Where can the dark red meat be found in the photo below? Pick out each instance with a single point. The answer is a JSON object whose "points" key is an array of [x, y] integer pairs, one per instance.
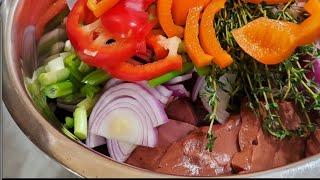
{"points": [[190, 157], [182, 110]]}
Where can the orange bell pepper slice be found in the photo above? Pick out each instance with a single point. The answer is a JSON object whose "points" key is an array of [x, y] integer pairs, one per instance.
{"points": [[99, 8], [208, 37], [192, 44], [268, 41], [53, 11], [180, 9], [267, 1], [309, 29], [165, 19], [153, 41]]}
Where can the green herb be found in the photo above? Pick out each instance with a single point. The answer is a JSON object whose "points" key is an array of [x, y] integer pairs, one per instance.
{"points": [[261, 83]]}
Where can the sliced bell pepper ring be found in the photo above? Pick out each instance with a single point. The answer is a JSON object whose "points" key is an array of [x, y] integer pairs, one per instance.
{"points": [[53, 11], [128, 17], [272, 49], [130, 72], [94, 44], [309, 29], [165, 19], [180, 9], [98, 8], [192, 44], [153, 41], [208, 37]]}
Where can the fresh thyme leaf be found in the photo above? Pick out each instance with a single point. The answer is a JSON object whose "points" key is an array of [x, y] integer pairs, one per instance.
{"points": [[260, 83], [210, 144]]}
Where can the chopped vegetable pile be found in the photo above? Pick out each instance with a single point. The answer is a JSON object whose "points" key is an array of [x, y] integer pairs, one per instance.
{"points": [[111, 70]]}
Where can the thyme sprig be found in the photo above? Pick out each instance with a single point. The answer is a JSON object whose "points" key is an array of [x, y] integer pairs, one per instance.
{"points": [[264, 86]]}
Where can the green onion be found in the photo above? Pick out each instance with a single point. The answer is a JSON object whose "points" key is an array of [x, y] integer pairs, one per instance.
{"points": [[49, 39], [65, 54], [55, 64], [88, 103], [59, 89], [56, 21], [80, 123], [167, 77], [68, 46], [52, 77], [89, 90], [96, 77], [69, 122], [72, 63], [48, 59], [84, 68], [71, 99], [203, 71]]}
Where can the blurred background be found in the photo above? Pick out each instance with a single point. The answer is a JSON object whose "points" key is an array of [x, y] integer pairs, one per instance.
{"points": [[21, 158]]}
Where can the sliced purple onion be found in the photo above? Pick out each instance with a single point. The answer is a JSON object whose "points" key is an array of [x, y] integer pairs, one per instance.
{"points": [[94, 140], [164, 91], [135, 124], [179, 90], [112, 82], [119, 151], [180, 79], [154, 92], [196, 88], [137, 101]]}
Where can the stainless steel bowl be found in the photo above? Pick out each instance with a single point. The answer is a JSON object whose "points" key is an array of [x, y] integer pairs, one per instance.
{"points": [[16, 16]]}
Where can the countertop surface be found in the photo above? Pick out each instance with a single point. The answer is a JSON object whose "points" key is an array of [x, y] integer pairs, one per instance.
{"points": [[22, 159]]}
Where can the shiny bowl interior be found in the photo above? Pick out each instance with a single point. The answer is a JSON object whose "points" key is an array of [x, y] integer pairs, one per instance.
{"points": [[46, 135]]}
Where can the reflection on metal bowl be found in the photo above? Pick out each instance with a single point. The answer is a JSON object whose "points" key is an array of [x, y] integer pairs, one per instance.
{"points": [[17, 15]]}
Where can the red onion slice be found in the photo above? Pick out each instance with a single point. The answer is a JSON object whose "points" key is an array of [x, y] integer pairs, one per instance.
{"points": [[112, 82], [119, 151], [196, 88], [140, 131], [164, 91], [179, 90], [154, 92], [180, 79], [94, 140], [152, 105]]}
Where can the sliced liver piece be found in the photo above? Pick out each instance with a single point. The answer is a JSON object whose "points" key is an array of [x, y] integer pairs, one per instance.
{"points": [[242, 161], [264, 152], [148, 158], [289, 115], [182, 110], [173, 131], [290, 150], [249, 127], [189, 156], [313, 144]]}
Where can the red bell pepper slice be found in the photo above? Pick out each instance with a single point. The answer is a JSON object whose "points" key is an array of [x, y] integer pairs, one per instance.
{"points": [[131, 72], [128, 17], [95, 44], [153, 42]]}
